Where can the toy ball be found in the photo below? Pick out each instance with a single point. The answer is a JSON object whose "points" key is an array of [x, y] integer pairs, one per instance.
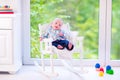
{"points": [[97, 65], [101, 69], [101, 74], [6, 6], [108, 67], [110, 72]]}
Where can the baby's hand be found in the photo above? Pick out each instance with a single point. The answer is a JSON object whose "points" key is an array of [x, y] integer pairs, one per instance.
{"points": [[61, 34], [41, 38]]}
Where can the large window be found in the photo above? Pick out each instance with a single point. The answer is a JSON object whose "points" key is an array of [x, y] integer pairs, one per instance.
{"points": [[83, 16], [91, 19]]}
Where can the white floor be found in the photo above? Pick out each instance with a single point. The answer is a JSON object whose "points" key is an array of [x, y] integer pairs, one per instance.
{"points": [[33, 73]]}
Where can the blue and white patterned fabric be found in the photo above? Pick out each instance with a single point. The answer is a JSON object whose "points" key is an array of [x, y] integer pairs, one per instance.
{"points": [[54, 34]]}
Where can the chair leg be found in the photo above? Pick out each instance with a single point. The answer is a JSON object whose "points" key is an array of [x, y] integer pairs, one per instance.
{"points": [[51, 63], [53, 73], [42, 62]]}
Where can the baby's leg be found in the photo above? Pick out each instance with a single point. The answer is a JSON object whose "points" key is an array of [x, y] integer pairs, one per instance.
{"points": [[57, 44], [67, 44], [70, 46]]}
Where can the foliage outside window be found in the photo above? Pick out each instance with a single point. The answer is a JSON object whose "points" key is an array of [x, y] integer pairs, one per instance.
{"points": [[81, 14], [115, 46]]}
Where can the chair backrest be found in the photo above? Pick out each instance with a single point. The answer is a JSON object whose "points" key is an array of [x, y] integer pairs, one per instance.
{"points": [[66, 28], [42, 28]]}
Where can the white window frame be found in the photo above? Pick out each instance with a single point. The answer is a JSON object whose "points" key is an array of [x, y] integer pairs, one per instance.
{"points": [[108, 36], [26, 36]]}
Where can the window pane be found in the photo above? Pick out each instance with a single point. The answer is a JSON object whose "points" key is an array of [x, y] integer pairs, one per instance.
{"points": [[81, 14], [115, 45]]}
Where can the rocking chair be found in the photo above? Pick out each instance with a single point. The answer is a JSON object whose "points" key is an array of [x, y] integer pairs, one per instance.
{"points": [[65, 55]]}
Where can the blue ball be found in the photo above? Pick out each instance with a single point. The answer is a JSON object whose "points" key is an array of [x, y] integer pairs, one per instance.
{"points": [[108, 67], [97, 65]]}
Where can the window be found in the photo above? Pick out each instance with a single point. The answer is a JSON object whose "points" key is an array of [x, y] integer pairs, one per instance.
{"points": [[83, 19], [112, 44], [87, 17], [115, 44]]}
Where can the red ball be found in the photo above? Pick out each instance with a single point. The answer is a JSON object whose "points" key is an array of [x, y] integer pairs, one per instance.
{"points": [[101, 69]]}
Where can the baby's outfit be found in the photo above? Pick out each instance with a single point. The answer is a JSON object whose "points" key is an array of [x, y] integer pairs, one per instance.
{"points": [[57, 39]]}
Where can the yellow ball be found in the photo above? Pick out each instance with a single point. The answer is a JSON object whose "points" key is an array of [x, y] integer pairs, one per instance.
{"points": [[101, 74]]}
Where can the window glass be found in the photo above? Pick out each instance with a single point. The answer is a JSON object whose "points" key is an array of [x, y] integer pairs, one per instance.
{"points": [[115, 42], [82, 15]]}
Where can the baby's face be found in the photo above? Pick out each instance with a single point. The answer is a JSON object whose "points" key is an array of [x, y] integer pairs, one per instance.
{"points": [[57, 24]]}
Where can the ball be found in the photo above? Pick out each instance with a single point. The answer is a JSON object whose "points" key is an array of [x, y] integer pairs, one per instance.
{"points": [[110, 72], [101, 74], [6, 6], [102, 70], [97, 65], [108, 67]]}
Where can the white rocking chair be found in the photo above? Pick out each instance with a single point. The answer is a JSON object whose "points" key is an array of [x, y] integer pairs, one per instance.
{"points": [[65, 55]]}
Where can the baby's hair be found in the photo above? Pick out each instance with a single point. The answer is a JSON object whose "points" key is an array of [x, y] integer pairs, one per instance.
{"points": [[55, 20], [58, 19]]}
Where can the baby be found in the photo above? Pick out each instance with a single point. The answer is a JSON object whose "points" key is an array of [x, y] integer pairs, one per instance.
{"points": [[59, 36]]}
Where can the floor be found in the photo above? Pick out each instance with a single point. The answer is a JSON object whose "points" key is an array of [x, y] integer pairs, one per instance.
{"points": [[34, 73]]}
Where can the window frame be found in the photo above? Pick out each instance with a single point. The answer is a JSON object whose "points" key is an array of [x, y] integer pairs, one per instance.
{"points": [[102, 42], [108, 35]]}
